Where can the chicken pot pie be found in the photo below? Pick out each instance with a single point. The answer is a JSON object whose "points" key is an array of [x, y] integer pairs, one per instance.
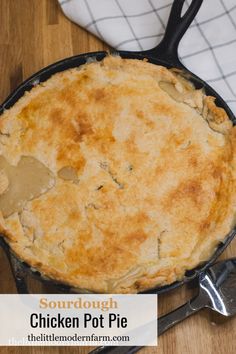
{"points": [[116, 177]]}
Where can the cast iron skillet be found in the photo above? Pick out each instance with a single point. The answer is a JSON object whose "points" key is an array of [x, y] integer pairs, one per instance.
{"points": [[166, 54]]}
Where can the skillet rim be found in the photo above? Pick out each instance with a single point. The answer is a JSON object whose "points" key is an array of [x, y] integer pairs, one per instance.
{"points": [[20, 268]]}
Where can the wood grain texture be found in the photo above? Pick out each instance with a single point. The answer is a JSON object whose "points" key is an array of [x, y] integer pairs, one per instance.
{"points": [[33, 34]]}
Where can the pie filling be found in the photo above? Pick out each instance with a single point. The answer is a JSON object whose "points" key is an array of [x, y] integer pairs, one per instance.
{"points": [[21, 183]]}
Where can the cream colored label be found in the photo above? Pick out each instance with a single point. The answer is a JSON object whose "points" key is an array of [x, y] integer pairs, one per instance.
{"points": [[79, 320]]}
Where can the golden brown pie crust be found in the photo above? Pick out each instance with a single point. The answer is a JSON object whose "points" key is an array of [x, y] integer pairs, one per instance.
{"points": [[144, 176]]}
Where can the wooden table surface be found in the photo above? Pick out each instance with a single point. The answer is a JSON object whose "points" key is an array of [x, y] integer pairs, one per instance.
{"points": [[33, 34]]}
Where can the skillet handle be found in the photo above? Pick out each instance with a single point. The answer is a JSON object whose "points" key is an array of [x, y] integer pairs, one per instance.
{"points": [[177, 25]]}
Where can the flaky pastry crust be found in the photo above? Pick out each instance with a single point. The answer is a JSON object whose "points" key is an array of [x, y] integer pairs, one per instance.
{"points": [[153, 165]]}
